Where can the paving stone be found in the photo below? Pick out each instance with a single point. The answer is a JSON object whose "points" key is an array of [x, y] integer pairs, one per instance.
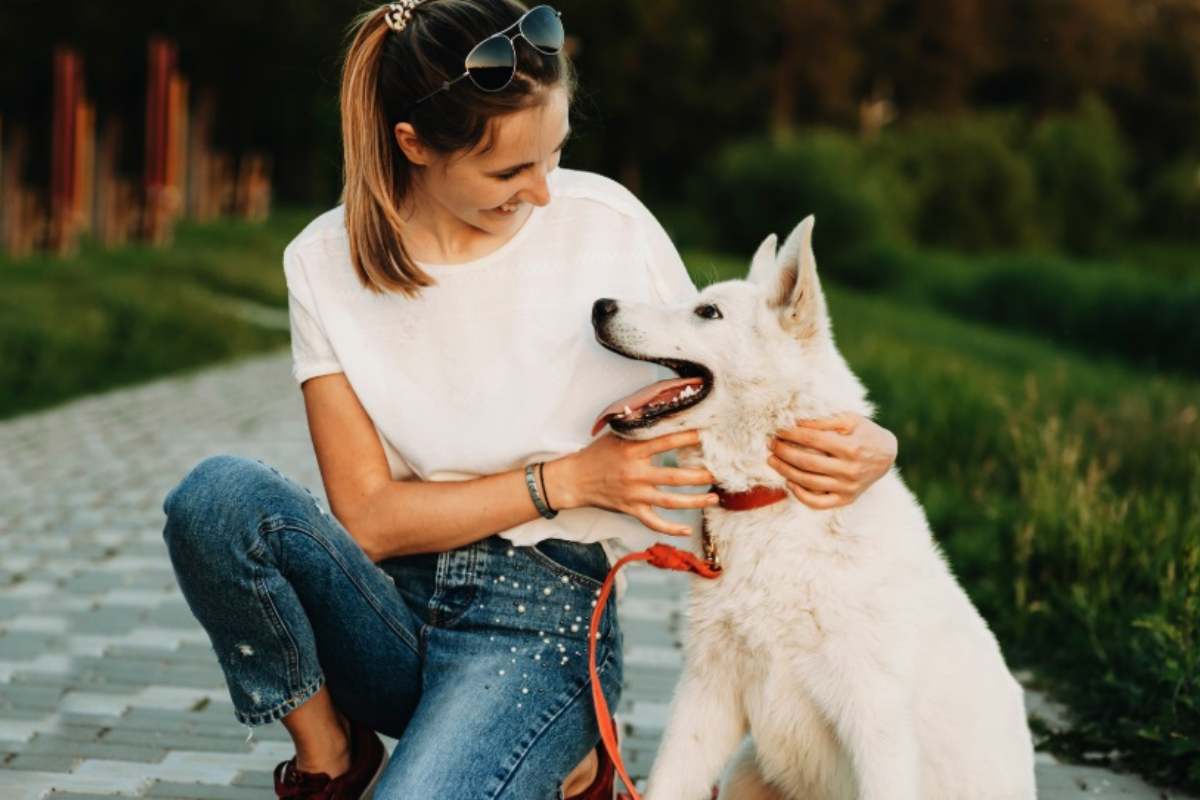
{"points": [[199, 791], [29, 697], [25, 644], [260, 779], [42, 762], [58, 745]]}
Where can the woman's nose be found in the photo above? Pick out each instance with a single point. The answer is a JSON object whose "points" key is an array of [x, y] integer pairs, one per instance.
{"points": [[537, 191]]}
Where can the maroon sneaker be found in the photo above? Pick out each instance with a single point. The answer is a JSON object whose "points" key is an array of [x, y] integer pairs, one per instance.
{"points": [[366, 764]]}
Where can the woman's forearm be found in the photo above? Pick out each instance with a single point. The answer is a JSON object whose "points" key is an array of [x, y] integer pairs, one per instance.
{"points": [[405, 517]]}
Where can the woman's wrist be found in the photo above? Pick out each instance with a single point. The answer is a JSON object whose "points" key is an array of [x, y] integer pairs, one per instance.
{"points": [[559, 476]]}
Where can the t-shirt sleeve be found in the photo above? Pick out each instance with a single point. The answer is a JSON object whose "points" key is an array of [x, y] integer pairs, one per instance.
{"points": [[312, 353], [668, 275]]}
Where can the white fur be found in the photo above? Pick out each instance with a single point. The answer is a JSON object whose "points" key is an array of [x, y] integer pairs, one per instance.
{"points": [[838, 640]]}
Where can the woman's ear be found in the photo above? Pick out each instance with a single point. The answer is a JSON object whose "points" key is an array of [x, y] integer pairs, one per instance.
{"points": [[411, 145]]}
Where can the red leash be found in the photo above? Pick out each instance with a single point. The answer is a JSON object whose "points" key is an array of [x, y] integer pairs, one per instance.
{"points": [[662, 556]]}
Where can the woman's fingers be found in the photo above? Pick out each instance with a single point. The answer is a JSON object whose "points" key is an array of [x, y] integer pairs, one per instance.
{"points": [[670, 441], [827, 441], [800, 458], [657, 523], [816, 500], [811, 480], [844, 422], [682, 500], [680, 476]]}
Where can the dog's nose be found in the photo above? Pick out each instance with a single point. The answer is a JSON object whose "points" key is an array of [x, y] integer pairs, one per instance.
{"points": [[602, 309]]}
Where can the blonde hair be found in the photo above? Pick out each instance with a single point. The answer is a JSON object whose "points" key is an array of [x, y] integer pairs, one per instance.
{"points": [[383, 74]]}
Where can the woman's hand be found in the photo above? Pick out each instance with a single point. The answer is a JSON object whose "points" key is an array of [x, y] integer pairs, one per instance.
{"points": [[617, 474], [829, 462]]}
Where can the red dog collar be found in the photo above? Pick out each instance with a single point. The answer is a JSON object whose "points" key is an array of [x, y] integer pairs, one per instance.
{"points": [[754, 497]]}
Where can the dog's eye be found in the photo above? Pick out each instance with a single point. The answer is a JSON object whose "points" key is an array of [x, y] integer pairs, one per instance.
{"points": [[708, 311]]}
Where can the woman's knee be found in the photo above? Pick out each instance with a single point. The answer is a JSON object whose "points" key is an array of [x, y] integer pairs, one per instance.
{"points": [[204, 505]]}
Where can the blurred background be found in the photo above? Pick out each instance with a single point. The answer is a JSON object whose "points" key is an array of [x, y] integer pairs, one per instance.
{"points": [[1007, 196]]}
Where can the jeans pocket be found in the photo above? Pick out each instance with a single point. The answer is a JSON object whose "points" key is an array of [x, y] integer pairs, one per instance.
{"points": [[586, 564]]}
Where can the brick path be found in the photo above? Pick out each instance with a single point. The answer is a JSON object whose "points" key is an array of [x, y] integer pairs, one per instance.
{"points": [[108, 685]]}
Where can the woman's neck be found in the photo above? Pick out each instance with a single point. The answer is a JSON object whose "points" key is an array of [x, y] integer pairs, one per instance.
{"points": [[434, 235]]}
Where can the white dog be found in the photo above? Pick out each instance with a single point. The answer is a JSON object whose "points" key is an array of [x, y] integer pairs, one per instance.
{"points": [[838, 640]]}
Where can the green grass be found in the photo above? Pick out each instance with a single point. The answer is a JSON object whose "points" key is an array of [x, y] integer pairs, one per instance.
{"points": [[108, 318], [1066, 492]]}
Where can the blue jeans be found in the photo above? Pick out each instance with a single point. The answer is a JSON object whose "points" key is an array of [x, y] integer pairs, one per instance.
{"points": [[474, 659]]}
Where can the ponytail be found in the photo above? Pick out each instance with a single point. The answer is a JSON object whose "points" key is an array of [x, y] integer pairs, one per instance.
{"points": [[376, 181]]}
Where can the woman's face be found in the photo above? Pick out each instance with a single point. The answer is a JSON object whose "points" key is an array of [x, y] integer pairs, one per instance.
{"points": [[489, 190]]}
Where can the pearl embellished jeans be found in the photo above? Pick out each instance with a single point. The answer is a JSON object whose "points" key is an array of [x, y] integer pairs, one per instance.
{"points": [[474, 659]]}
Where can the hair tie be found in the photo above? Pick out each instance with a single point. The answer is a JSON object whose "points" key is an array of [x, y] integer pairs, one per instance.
{"points": [[398, 14]]}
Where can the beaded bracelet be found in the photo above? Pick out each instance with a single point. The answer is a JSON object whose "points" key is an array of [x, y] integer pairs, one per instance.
{"points": [[538, 502]]}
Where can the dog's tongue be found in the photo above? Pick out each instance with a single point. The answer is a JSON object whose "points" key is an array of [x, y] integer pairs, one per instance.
{"points": [[662, 391]]}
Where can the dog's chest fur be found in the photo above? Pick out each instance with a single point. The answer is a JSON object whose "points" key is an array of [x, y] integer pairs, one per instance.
{"points": [[791, 576]]}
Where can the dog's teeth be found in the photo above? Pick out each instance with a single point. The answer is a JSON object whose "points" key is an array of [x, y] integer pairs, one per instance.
{"points": [[628, 411]]}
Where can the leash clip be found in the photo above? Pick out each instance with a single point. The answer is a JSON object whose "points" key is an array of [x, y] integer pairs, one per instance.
{"points": [[711, 556]]}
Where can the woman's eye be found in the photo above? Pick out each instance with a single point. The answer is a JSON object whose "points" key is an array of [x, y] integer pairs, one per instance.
{"points": [[508, 176], [708, 311]]}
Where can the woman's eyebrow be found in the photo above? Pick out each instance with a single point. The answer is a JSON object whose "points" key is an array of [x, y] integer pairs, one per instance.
{"points": [[517, 167]]}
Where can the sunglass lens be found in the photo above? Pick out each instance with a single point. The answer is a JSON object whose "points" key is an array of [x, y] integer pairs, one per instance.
{"points": [[543, 29], [492, 63]]}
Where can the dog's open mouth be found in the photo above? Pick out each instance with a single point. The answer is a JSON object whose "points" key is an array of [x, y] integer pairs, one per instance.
{"points": [[651, 403]]}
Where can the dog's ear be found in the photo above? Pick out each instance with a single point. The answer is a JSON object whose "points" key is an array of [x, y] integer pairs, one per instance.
{"points": [[797, 294], [763, 265]]}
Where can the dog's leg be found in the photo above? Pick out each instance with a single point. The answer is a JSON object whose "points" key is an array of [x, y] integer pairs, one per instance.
{"points": [[872, 715], [705, 726]]}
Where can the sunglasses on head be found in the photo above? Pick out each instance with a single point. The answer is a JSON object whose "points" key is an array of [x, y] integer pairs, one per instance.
{"points": [[492, 63]]}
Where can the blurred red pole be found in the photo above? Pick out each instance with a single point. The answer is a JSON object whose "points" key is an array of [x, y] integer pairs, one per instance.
{"points": [[162, 60], [63, 147]]}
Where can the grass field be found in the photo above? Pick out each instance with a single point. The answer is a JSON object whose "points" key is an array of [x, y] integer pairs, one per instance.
{"points": [[1064, 487], [112, 317]]}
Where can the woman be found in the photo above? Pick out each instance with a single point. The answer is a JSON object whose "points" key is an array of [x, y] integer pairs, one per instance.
{"points": [[441, 339]]}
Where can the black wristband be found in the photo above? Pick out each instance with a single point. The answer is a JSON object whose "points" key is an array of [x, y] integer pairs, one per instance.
{"points": [[542, 479]]}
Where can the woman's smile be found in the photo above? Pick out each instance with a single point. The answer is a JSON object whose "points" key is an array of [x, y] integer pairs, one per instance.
{"points": [[505, 210]]}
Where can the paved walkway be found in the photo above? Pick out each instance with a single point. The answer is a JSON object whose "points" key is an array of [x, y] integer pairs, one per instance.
{"points": [[108, 686]]}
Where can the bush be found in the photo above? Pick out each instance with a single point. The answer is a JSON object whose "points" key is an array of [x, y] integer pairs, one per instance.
{"points": [[872, 266], [1081, 164], [1172, 207], [757, 187], [1142, 318], [971, 187]]}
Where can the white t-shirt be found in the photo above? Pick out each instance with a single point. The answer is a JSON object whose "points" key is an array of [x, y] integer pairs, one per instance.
{"points": [[497, 365]]}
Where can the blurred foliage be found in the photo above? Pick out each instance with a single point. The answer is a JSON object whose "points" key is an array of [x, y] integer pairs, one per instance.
{"points": [[971, 186], [666, 84], [1107, 310], [974, 182], [1082, 166], [1172, 207], [756, 187]]}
